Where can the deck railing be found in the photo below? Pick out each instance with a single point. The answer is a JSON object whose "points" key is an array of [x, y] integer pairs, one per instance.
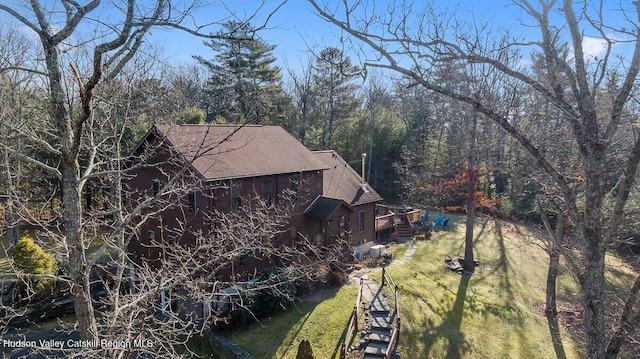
{"points": [[413, 216], [384, 221], [395, 336], [353, 322]]}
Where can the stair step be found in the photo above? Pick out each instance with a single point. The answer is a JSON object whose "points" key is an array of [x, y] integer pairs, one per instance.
{"points": [[380, 337], [380, 310], [379, 305], [375, 349], [381, 322]]}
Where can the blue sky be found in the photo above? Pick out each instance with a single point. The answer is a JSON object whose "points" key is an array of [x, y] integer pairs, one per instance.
{"points": [[294, 28]]}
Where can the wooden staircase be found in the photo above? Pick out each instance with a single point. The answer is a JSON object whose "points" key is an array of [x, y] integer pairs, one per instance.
{"points": [[384, 322], [381, 327], [382, 332], [403, 230], [403, 222]]}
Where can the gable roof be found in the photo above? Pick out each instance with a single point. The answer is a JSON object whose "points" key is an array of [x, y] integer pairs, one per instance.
{"points": [[341, 181], [223, 152], [323, 207]]}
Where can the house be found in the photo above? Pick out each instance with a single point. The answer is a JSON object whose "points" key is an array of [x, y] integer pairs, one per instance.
{"points": [[347, 206], [195, 171]]}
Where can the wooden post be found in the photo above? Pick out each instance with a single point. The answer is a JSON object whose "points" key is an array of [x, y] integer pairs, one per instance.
{"points": [[355, 316], [382, 277]]}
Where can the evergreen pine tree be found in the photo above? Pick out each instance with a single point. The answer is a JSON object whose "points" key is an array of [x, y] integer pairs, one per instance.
{"points": [[245, 85]]}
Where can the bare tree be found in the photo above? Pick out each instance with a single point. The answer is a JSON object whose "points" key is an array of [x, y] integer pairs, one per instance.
{"points": [[595, 96], [82, 144], [301, 91], [16, 50]]}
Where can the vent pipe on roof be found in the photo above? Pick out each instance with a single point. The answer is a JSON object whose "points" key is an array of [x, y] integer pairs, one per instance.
{"points": [[364, 157], [364, 182]]}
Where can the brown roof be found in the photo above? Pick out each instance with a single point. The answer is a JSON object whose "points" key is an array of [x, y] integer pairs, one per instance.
{"points": [[231, 151], [341, 181], [323, 207]]}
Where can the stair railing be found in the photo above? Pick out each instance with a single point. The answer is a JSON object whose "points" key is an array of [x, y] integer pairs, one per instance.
{"points": [[353, 322], [395, 337]]}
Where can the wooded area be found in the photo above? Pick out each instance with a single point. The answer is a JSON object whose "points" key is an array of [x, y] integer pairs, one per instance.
{"points": [[451, 115]]}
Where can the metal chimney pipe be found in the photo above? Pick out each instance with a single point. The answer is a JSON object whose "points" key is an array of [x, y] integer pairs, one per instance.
{"points": [[364, 157]]}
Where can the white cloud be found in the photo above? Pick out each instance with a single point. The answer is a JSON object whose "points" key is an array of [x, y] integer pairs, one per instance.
{"points": [[593, 47]]}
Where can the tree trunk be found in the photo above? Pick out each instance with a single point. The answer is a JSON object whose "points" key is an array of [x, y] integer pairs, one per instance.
{"points": [[79, 273], [468, 264], [593, 295], [594, 256], [551, 309], [552, 274]]}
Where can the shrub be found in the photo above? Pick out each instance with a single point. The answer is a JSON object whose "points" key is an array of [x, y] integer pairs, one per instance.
{"points": [[277, 292], [30, 258]]}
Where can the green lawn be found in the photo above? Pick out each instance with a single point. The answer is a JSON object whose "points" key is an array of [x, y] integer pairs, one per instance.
{"points": [[322, 323], [496, 313], [493, 314]]}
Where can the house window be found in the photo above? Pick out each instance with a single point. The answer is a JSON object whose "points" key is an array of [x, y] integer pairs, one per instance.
{"points": [[191, 196], [165, 303], [236, 199], [318, 231], [294, 187], [151, 241], [156, 187], [343, 224], [130, 272], [266, 192], [151, 236], [361, 221]]}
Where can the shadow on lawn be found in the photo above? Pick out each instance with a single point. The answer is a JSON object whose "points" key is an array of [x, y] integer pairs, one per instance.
{"points": [[475, 303], [289, 346], [450, 327], [454, 319], [299, 316]]}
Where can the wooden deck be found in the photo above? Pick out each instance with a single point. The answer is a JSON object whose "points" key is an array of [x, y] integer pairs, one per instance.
{"points": [[384, 221]]}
